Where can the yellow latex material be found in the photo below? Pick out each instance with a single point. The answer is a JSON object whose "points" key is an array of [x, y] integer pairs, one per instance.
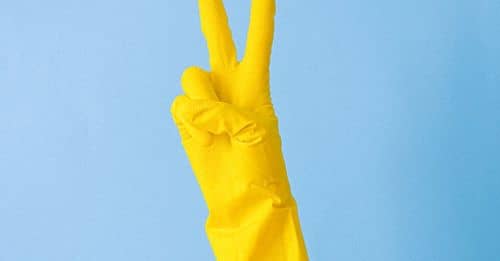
{"points": [[230, 133]]}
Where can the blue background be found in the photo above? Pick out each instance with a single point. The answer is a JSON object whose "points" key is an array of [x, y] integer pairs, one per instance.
{"points": [[389, 110]]}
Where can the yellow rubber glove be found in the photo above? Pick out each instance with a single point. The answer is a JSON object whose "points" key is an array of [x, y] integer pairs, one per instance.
{"points": [[230, 133]]}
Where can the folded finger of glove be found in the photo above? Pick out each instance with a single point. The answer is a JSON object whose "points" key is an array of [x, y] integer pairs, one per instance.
{"points": [[216, 118]]}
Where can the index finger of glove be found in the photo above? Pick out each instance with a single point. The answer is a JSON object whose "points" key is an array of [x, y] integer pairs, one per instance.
{"points": [[215, 27]]}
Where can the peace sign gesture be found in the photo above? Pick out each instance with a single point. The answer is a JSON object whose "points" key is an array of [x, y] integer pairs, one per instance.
{"points": [[230, 133], [244, 83], [232, 85]]}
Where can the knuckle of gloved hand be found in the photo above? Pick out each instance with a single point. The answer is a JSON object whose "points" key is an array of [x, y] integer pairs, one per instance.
{"points": [[178, 107], [174, 106], [191, 72]]}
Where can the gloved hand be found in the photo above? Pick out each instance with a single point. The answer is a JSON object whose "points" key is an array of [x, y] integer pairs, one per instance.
{"points": [[230, 133]]}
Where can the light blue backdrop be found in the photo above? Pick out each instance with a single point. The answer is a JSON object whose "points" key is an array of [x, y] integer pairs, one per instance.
{"points": [[390, 116]]}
